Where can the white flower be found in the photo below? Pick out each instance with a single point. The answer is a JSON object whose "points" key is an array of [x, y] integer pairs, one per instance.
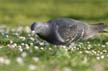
{"points": [[63, 47], [67, 69], [19, 60], [93, 51], [27, 29], [80, 52], [11, 41], [102, 56], [42, 48], [17, 34], [11, 46], [2, 60], [22, 44], [88, 42], [98, 44], [104, 50], [1, 47], [14, 44], [50, 48], [31, 44], [35, 59], [88, 52], [98, 58], [23, 54], [36, 47], [20, 48], [27, 46], [7, 61], [7, 36], [31, 38], [41, 43], [101, 53], [106, 43], [80, 43], [77, 48], [22, 38], [89, 45], [32, 67], [103, 46]]}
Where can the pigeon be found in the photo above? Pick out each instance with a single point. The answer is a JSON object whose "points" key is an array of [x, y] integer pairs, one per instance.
{"points": [[64, 31]]}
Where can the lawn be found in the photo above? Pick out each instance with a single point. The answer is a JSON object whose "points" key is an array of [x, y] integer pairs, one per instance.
{"points": [[22, 51]]}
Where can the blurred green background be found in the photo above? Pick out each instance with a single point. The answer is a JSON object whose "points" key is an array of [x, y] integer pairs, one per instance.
{"points": [[16, 47], [24, 12]]}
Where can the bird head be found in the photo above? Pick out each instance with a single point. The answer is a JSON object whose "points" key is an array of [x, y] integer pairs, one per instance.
{"points": [[39, 28]]}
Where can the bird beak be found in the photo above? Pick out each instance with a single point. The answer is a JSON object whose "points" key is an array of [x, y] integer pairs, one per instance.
{"points": [[33, 32]]}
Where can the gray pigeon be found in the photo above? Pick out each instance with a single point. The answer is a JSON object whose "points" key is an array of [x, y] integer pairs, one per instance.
{"points": [[64, 31]]}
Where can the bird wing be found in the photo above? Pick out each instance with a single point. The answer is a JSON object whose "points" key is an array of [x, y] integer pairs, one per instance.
{"points": [[69, 30]]}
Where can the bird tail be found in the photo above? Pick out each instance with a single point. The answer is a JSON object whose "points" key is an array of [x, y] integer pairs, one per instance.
{"points": [[100, 27]]}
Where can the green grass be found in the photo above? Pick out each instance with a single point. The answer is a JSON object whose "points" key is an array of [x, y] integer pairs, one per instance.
{"points": [[24, 12], [85, 56], [90, 55]]}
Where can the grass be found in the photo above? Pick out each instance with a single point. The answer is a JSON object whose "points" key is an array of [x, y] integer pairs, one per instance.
{"points": [[20, 51], [24, 12]]}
